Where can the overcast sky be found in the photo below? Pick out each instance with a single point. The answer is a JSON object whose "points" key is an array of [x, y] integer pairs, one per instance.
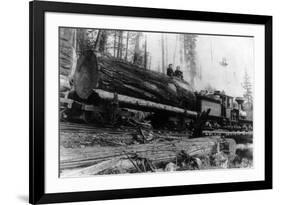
{"points": [[239, 55], [210, 50]]}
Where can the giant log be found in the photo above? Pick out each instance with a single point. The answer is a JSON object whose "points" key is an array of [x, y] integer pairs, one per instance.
{"points": [[94, 71]]}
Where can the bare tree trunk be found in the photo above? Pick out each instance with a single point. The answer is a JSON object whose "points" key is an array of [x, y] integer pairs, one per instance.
{"points": [[181, 48], [137, 49], [127, 43], [97, 42], [166, 51], [114, 47], [102, 42], [163, 53], [121, 45], [174, 57], [145, 53], [118, 45], [149, 60], [189, 53]]}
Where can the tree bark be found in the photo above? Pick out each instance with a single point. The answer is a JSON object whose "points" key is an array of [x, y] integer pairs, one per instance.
{"points": [[127, 79]]}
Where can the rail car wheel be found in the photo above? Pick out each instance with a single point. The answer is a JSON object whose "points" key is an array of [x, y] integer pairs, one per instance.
{"points": [[62, 114]]}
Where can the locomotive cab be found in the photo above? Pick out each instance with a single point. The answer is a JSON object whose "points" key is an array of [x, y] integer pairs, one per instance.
{"points": [[226, 105]]}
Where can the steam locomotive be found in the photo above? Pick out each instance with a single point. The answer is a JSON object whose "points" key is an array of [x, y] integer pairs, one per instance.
{"points": [[226, 112]]}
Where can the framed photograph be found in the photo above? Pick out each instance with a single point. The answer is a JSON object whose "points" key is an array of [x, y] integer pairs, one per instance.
{"points": [[130, 102]]}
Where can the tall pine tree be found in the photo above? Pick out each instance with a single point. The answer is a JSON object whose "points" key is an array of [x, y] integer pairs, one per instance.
{"points": [[247, 85]]}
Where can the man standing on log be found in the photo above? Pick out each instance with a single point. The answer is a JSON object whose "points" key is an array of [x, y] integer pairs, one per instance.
{"points": [[170, 71], [178, 73]]}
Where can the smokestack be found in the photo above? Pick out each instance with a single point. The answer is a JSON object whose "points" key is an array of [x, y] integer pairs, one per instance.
{"points": [[240, 102]]}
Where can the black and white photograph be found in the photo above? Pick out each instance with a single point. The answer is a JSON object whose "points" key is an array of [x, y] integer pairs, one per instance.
{"points": [[133, 101], [110, 102]]}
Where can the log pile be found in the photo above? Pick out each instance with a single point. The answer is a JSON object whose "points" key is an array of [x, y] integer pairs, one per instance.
{"points": [[155, 152], [88, 150]]}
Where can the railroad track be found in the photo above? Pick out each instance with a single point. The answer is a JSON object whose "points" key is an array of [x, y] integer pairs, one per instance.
{"points": [[241, 137], [226, 133], [77, 127]]}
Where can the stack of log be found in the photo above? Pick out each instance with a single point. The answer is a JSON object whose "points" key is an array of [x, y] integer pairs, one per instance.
{"points": [[155, 152]]}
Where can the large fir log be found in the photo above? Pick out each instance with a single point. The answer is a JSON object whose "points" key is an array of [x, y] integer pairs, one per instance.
{"points": [[117, 76]]}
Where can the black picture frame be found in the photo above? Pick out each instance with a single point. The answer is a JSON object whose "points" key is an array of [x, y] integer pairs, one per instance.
{"points": [[37, 10]]}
